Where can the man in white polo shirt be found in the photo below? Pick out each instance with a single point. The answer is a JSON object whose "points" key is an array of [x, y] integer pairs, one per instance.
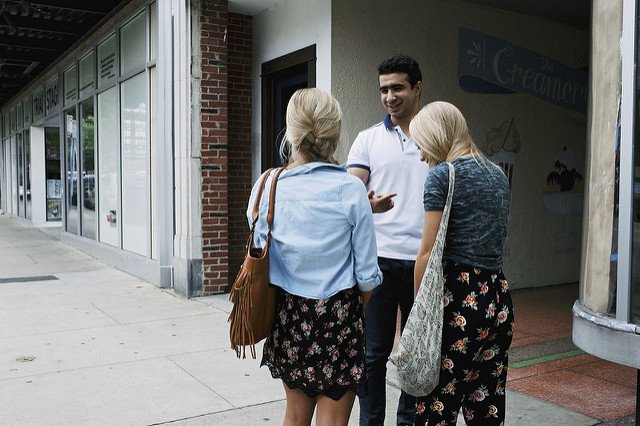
{"points": [[388, 162]]}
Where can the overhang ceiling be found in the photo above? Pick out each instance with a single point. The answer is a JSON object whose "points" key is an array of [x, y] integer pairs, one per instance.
{"points": [[575, 13], [34, 33]]}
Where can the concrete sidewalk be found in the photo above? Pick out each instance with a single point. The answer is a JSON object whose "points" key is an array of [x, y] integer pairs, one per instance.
{"points": [[84, 343]]}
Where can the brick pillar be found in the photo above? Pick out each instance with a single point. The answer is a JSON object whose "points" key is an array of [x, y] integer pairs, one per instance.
{"points": [[214, 146], [239, 50]]}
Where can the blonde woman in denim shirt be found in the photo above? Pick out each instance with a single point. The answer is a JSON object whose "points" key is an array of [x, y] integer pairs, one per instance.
{"points": [[323, 259]]}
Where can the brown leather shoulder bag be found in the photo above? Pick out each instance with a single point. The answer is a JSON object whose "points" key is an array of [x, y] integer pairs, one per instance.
{"points": [[254, 300]]}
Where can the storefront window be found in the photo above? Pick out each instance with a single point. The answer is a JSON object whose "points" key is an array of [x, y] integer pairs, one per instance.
{"points": [[20, 177], [135, 187], [87, 73], [12, 117], [14, 175], [107, 61], [153, 28], [108, 153], [88, 171], [27, 112], [19, 117], [154, 168], [133, 45], [70, 85], [52, 173], [5, 125], [27, 172], [72, 169]]}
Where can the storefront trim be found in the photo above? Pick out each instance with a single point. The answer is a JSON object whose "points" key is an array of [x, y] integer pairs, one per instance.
{"points": [[606, 337], [627, 113]]}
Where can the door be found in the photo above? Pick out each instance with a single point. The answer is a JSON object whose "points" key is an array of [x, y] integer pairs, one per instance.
{"points": [[281, 77]]}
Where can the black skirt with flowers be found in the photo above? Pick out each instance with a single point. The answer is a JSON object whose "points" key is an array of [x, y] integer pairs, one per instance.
{"points": [[317, 345]]}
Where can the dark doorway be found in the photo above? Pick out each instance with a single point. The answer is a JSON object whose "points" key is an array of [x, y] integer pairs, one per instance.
{"points": [[281, 77]]}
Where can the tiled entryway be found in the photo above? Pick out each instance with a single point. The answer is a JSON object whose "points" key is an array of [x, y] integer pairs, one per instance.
{"points": [[545, 364]]}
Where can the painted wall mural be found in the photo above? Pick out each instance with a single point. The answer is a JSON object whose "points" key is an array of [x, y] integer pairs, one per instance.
{"points": [[502, 143], [563, 192]]}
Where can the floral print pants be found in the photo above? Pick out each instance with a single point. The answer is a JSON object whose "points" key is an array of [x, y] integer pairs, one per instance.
{"points": [[477, 333]]}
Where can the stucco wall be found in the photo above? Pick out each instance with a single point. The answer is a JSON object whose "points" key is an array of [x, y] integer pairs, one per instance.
{"points": [[542, 249], [289, 26]]}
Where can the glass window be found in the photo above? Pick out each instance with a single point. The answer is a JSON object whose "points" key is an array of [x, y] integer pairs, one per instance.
{"points": [[70, 85], [20, 177], [27, 112], [27, 172], [153, 154], [12, 117], [19, 117], [7, 174], [14, 175], [6, 126], [108, 165], [133, 44], [135, 187], [72, 170], [87, 73], [88, 171], [153, 27], [107, 60], [52, 173]]}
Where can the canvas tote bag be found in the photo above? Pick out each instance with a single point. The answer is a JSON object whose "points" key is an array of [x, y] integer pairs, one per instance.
{"points": [[417, 356]]}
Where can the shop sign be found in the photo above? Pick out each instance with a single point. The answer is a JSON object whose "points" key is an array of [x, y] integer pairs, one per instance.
{"points": [[488, 64], [52, 96], [38, 105]]}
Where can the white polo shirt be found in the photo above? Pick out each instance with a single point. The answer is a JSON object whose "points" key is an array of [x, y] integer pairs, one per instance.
{"points": [[393, 162]]}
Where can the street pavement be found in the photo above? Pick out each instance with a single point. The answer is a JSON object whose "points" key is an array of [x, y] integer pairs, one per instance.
{"points": [[82, 343]]}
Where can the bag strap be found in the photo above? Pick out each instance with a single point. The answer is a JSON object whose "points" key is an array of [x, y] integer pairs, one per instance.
{"points": [[256, 204], [444, 222], [272, 198]]}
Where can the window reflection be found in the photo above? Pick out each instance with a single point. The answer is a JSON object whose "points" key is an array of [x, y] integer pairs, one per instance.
{"points": [[72, 166], [88, 171]]}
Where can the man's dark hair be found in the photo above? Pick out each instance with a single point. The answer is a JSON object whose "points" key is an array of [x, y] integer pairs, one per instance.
{"points": [[401, 64]]}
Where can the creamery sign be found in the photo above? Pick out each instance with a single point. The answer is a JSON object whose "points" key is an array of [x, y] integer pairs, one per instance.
{"points": [[487, 64]]}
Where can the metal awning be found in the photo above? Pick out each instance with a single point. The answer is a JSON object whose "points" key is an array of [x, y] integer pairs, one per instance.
{"points": [[34, 33]]}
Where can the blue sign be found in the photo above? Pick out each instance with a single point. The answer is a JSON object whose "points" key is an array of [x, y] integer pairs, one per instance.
{"points": [[488, 64]]}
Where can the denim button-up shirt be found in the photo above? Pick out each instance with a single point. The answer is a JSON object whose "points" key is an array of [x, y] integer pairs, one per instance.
{"points": [[322, 238]]}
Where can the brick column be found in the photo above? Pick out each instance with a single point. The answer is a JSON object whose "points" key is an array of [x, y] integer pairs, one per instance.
{"points": [[239, 49], [214, 146]]}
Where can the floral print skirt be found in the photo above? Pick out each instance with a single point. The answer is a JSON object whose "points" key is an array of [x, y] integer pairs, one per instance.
{"points": [[317, 345]]}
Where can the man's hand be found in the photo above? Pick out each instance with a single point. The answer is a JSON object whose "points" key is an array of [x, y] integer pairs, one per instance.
{"points": [[380, 203]]}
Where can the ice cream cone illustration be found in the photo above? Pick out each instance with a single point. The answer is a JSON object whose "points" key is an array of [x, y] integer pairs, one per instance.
{"points": [[501, 145], [563, 193]]}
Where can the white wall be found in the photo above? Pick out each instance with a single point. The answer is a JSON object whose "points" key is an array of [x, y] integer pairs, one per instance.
{"points": [[364, 33], [288, 26]]}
